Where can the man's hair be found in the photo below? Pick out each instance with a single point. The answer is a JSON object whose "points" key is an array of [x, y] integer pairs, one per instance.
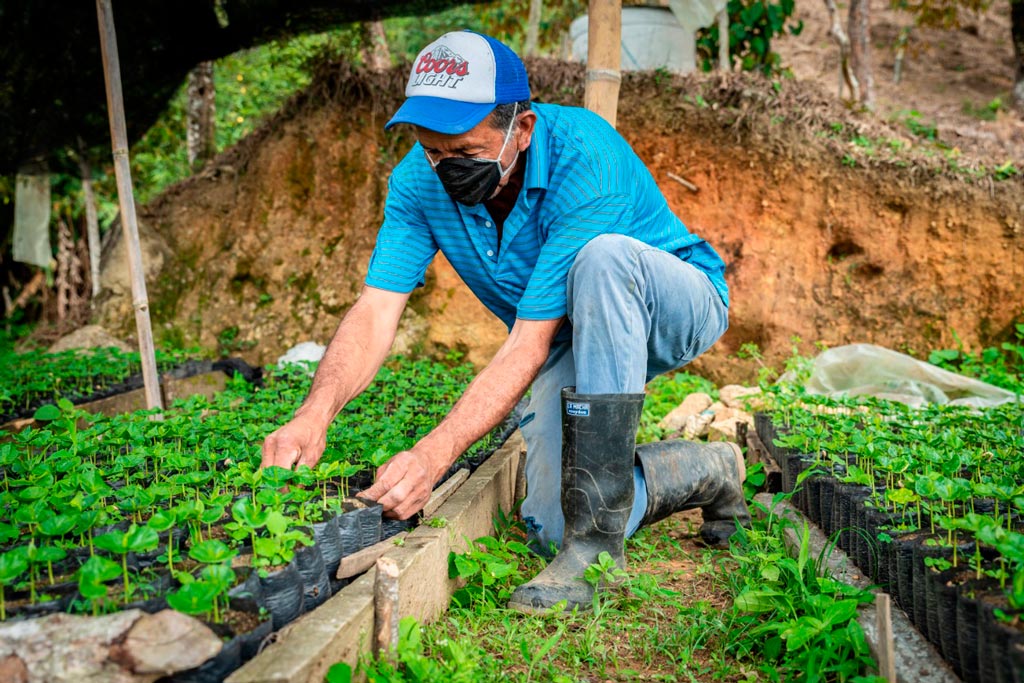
{"points": [[501, 117]]}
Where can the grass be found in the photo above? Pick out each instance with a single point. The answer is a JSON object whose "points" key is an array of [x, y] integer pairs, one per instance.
{"points": [[683, 612]]}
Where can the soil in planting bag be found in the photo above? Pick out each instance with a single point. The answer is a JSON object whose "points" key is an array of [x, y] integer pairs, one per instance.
{"points": [[248, 586], [316, 587], [967, 625], [281, 590], [869, 370], [360, 525], [39, 609], [155, 598], [328, 540], [813, 485], [251, 627]]}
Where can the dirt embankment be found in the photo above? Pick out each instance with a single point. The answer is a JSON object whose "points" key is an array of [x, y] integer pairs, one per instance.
{"points": [[824, 238]]}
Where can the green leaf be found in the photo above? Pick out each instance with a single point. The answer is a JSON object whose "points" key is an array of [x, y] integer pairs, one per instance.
{"points": [[211, 551], [339, 673], [98, 569], [162, 521], [140, 539], [277, 523], [12, 564], [193, 598], [466, 567], [46, 413], [58, 525]]}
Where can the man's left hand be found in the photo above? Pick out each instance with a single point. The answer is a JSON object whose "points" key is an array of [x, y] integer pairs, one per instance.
{"points": [[403, 485]]}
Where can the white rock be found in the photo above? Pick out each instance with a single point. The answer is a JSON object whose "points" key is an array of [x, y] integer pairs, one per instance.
{"points": [[88, 337], [723, 430], [698, 425], [735, 395], [691, 405], [734, 413]]}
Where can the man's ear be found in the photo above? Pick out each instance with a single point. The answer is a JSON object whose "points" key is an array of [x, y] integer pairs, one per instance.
{"points": [[527, 121]]}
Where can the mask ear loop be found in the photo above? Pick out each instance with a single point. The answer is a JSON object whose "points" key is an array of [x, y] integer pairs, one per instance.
{"points": [[504, 144]]}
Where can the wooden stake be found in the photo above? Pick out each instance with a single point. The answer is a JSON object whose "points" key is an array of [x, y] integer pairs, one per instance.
{"points": [[385, 608], [126, 198], [886, 643], [724, 62], [357, 563], [684, 182], [604, 58]]}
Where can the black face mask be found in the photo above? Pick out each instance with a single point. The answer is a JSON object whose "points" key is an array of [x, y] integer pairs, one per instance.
{"points": [[470, 181]]}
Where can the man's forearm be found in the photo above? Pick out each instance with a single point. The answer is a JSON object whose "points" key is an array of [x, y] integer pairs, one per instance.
{"points": [[485, 403], [350, 363]]}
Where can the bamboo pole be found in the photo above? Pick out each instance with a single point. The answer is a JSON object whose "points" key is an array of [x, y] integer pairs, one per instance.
{"points": [[126, 198], [604, 58]]}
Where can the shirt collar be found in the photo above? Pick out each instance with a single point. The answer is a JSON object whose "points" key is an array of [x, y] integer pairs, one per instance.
{"points": [[537, 156]]}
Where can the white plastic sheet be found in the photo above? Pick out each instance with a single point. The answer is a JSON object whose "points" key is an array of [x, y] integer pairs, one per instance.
{"points": [[304, 352], [32, 220], [694, 15], [869, 370]]}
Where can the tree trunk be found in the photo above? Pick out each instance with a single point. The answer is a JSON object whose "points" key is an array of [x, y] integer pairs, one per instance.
{"points": [[845, 71], [533, 28], [859, 27], [201, 108], [92, 224], [378, 56], [1017, 31]]}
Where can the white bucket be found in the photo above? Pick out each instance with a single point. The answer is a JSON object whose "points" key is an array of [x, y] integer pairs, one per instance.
{"points": [[652, 38]]}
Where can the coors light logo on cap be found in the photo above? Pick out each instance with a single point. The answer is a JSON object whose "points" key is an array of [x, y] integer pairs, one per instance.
{"points": [[457, 66]]}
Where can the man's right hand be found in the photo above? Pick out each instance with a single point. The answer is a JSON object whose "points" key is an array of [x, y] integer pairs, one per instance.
{"points": [[299, 442]]}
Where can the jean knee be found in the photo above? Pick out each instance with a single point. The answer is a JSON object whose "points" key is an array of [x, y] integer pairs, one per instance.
{"points": [[603, 253]]}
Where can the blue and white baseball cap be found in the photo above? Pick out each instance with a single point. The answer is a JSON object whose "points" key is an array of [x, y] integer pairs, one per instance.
{"points": [[458, 80]]}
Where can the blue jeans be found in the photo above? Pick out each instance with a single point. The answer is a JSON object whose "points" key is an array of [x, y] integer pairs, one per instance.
{"points": [[636, 312]]}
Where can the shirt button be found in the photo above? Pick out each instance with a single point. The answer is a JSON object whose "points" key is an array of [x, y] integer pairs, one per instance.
{"points": [[490, 253], [488, 224]]}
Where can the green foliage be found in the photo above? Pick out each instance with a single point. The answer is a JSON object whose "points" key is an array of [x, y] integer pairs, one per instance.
{"points": [[1002, 366], [805, 621], [986, 112], [121, 487], [944, 14], [753, 24]]}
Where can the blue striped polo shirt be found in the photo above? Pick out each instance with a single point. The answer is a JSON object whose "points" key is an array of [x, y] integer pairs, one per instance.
{"points": [[582, 180]]}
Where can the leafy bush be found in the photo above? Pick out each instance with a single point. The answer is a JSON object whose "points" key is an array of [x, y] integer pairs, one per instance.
{"points": [[753, 24]]}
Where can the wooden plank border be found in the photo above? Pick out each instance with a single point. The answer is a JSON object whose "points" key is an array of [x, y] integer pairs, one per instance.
{"points": [[341, 629]]}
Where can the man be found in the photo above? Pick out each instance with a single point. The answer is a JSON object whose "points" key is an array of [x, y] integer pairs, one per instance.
{"points": [[557, 226]]}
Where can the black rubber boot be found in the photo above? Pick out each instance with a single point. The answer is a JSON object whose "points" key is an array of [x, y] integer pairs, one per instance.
{"points": [[683, 475], [598, 443]]}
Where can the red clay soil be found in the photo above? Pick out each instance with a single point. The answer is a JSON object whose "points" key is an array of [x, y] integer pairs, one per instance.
{"points": [[825, 238]]}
